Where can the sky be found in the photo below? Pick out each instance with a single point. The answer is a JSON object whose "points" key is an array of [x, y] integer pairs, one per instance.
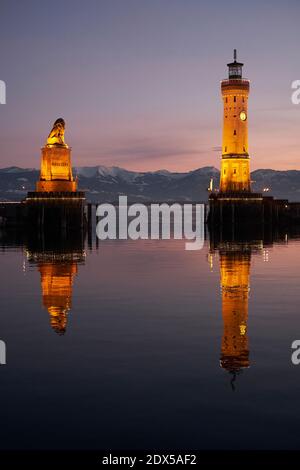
{"points": [[138, 81]]}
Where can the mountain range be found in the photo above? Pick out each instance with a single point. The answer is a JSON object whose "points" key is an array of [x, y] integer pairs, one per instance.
{"points": [[107, 183]]}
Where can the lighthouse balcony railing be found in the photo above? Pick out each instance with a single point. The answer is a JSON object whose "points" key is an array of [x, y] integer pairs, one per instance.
{"points": [[235, 81]]}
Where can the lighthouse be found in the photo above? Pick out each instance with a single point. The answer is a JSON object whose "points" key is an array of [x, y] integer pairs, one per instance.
{"points": [[235, 205], [235, 164]]}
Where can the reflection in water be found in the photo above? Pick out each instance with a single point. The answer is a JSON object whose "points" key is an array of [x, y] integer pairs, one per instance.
{"points": [[235, 262], [58, 265], [156, 351], [235, 284]]}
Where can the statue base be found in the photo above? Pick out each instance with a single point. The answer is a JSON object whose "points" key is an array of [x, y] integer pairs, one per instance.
{"points": [[56, 170], [56, 186], [55, 211]]}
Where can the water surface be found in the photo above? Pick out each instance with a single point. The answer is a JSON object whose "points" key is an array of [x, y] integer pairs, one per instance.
{"points": [[142, 344]]}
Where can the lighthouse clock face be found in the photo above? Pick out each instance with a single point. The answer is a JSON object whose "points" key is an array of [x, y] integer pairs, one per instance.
{"points": [[243, 116]]}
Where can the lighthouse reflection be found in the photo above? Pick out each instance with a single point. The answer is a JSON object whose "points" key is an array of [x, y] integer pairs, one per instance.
{"points": [[58, 266], [235, 284], [235, 263]]}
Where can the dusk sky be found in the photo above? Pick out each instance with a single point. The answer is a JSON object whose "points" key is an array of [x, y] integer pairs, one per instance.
{"points": [[138, 81]]}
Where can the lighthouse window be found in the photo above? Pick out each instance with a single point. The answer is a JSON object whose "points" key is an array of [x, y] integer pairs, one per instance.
{"points": [[224, 172], [226, 100], [234, 132], [234, 171], [234, 99], [225, 149]]}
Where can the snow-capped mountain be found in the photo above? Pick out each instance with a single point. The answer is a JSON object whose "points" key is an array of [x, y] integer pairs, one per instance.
{"points": [[103, 183], [107, 183]]}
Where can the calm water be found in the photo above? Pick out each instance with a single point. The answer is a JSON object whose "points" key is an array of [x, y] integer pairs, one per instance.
{"points": [[145, 345]]}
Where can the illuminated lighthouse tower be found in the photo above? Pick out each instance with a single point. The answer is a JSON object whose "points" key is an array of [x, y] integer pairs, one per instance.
{"points": [[235, 168]]}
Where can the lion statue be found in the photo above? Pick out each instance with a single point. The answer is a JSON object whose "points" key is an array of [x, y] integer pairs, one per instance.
{"points": [[57, 134]]}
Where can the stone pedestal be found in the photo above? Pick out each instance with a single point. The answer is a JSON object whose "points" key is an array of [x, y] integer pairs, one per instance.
{"points": [[234, 209], [56, 170], [55, 211], [56, 186]]}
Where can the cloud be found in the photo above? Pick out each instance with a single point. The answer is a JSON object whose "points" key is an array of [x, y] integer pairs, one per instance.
{"points": [[149, 148]]}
